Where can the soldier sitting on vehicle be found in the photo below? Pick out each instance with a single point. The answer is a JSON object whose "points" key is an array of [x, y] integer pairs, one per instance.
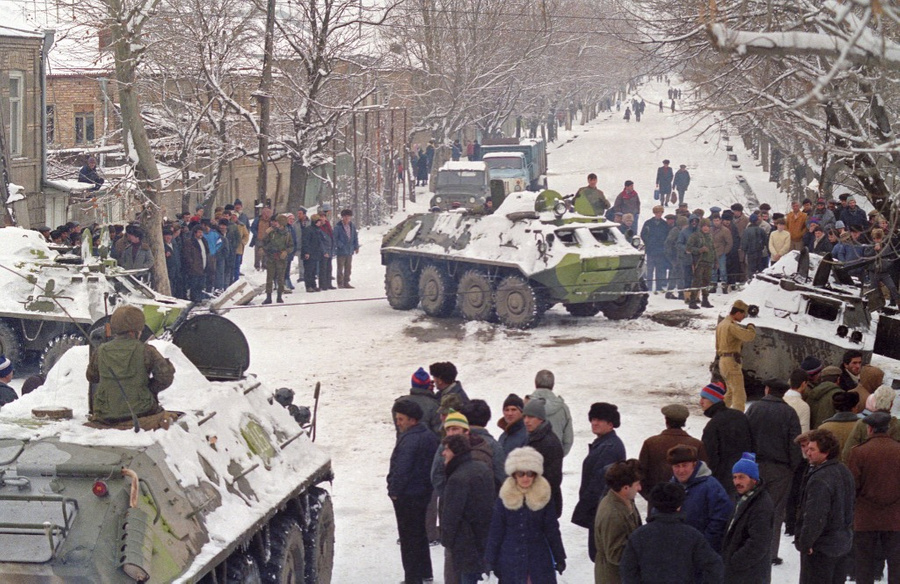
{"points": [[129, 375]]}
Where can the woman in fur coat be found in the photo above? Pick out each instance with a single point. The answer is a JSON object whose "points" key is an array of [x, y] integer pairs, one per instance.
{"points": [[524, 544]]}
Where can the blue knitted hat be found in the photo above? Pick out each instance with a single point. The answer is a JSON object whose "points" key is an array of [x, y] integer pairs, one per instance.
{"points": [[747, 465]]}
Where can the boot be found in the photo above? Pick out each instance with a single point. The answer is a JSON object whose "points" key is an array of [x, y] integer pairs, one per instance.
{"points": [[268, 299], [279, 300], [693, 305], [725, 289], [705, 303], [681, 295]]}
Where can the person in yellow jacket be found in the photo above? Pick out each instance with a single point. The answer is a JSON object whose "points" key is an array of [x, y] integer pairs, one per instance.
{"points": [[730, 338]]}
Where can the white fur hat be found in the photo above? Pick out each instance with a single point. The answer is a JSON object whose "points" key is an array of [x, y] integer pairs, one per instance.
{"points": [[524, 459], [884, 398]]}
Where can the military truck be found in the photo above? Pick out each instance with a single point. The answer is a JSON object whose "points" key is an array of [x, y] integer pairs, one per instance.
{"points": [[515, 264], [461, 184], [531, 170], [51, 300], [231, 492]]}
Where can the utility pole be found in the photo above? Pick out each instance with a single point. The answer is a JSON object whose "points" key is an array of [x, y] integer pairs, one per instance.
{"points": [[263, 96]]}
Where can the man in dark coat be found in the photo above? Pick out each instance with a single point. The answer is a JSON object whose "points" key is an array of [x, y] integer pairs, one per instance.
{"points": [[173, 262], [654, 234], [478, 412], [409, 487], [444, 374], [747, 545], [195, 259], [421, 393], [311, 244], [466, 507], [606, 449], [664, 177], [726, 436], [682, 179], [876, 520], [851, 364], [346, 244], [655, 468], [514, 434], [542, 439], [825, 523], [774, 425], [88, 174], [667, 550]]}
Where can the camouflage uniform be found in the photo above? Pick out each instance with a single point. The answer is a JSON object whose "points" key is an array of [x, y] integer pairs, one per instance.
{"points": [[595, 199], [277, 245], [703, 253]]}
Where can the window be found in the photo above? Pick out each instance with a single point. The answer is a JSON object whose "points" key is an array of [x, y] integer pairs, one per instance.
{"points": [[16, 111], [84, 124], [51, 123]]}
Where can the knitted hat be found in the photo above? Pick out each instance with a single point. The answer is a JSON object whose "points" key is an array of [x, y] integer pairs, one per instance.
{"points": [[884, 398], [238, 202], [681, 453], [421, 379], [754, 218], [844, 401], [838, 224], [535, 408], [6, 366], [811, 365], [667, 497], [747, 465], [879, 421], [676, 412], [408, 408], [713, 392], [606, 412], [513, 400], [454, 418], [524, 459]]}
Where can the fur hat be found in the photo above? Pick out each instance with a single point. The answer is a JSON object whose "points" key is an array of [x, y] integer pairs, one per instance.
{"points": [[667, 497], [408, 408], [747, 465], [6, 366], [844, 401], [524, 459], [681, 453], [126, 319], [727, 215], [737, 207], [513, 400], [454, 418], [606, 412], [421, 379], [884, 398], [704, 223], [535, 408], [740, 305]]}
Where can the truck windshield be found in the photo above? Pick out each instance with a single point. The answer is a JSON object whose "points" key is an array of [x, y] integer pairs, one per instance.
{"points": [[461, 178], [511, 163]]}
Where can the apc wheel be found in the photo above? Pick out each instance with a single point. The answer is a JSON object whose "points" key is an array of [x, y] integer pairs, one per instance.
{"points": [[286, 566], [319, 538], [10, 343], [629, 306], [476, 296], [57, 348], [517, 303], [401, 286], [243, 569], [584, 309], [437, 291]]}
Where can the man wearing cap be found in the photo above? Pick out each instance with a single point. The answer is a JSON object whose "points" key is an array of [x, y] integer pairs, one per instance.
{"points": [[258, 230], [606, 449], [746, 548], [774, 425], [325, 266], [277, 244], [542, 439], [723, 242], [409, 487], [478, 412], [725, 436], [730, 339], [681, 182], [702, 250], [823, 214], [664, 178], [707, 506], [129, 375], [880, 401], [876, 516], [853, 216], [666, 549], [422, 394], [825, 521], [514, 433], [346, 243], [136, 255], [655, 469], [654, 234], [7, 393], [617, 517], [687, 263]]}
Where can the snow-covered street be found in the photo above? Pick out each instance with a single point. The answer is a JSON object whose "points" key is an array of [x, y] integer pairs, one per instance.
{"points": [[364, 352]]}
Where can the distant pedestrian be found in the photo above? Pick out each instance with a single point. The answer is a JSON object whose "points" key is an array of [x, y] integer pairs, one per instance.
{"points": [[664, 178], [660, 106], [524, 544], [627, 114], [346, 245], [682, 179]]}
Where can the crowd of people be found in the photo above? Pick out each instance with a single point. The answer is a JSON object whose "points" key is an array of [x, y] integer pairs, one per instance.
{"points": [[204, 255], [817, 455]]}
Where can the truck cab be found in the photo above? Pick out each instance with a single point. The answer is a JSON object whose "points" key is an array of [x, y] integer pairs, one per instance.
{"points": [[461, 184], [511, 168]]}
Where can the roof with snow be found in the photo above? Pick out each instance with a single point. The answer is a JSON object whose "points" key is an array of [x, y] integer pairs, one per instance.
{"points": [[464, 165]]}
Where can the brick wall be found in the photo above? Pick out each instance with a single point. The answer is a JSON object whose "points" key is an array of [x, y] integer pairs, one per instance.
{"points": [[71, 95]]}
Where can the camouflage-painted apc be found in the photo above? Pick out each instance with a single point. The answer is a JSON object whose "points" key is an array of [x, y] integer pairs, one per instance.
{"points": [[515, 264], [50, 301], [231, 492]]}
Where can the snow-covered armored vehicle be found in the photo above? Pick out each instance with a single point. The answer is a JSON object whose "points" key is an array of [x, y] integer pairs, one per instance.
{"points": [[51, 300], [231, 492], [514, 264], [808, 305]]}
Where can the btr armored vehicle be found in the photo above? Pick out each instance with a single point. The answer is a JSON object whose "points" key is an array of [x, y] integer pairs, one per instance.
{"points": [[513, 265]]}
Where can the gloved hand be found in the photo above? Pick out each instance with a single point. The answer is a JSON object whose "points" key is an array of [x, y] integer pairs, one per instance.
{"points": [[560, 567]]}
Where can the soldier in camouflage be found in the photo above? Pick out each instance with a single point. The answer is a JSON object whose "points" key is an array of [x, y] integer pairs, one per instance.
{"points": [[703, 255], [277, 244]]}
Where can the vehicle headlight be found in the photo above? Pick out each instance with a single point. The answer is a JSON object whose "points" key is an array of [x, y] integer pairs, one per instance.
{"points": [[472, 200], [438, 200], [560, 208]]}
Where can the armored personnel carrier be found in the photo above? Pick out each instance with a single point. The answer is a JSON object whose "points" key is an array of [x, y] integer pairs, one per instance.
{"points": [[231, 492], [51, 300], [513, 265]]}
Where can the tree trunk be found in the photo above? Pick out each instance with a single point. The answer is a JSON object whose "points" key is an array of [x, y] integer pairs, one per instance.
{"points": [[297, 191], [263, 96], [137, 145]]}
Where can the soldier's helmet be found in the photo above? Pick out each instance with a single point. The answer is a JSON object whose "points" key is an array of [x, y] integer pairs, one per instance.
{"points": [[125, 319]]}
